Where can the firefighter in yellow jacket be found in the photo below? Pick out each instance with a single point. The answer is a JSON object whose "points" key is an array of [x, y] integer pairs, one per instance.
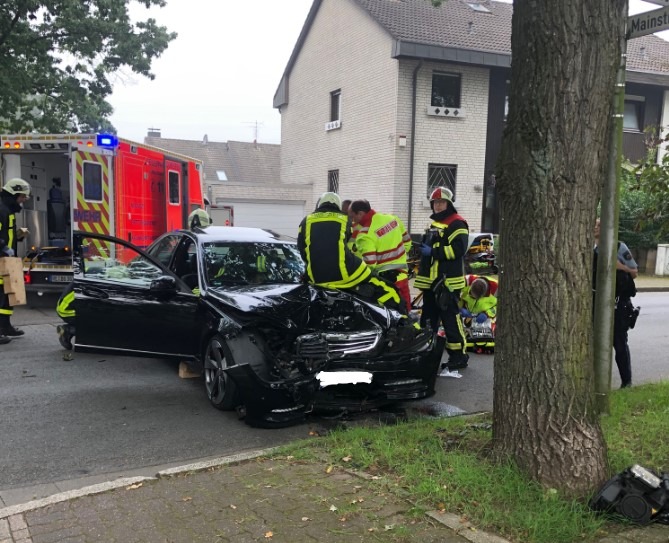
{"points": [[441, 274], [383, 242], [322, 241]]}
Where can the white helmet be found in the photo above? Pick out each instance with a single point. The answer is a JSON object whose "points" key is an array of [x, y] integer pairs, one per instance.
{"points": [[17, 186], [329, 198]]}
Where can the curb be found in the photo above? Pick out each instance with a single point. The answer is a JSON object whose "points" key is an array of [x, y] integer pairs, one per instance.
{"points": [[127, 481]]}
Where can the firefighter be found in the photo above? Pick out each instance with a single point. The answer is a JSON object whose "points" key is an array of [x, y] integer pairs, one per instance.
{"points": [[322, 240], [199, 218], [441, 274], [15, 192], [66, 311], [383, 242], [479, 298]]}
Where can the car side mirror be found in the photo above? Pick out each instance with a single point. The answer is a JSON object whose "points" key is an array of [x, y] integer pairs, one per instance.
{"points": [[164, 285]]}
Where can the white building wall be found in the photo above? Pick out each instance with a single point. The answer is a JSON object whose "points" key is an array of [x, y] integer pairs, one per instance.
{"points": [[345, 49], [443, 140]]}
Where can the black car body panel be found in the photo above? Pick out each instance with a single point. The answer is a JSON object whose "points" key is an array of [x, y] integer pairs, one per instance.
{"points": [[279, 335]]}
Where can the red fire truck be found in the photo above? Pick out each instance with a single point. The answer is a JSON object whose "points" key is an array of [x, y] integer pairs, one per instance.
{"points": [[96, 183]]}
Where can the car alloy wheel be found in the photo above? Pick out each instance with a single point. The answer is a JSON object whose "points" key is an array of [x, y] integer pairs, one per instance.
{"points": [[221, 390]]}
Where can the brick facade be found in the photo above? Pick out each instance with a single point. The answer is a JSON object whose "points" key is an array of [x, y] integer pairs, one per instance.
{"points": [[347, 49]]}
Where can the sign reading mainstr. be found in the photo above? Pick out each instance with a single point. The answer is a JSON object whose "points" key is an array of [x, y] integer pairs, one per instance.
{"points": [[648, 22]]}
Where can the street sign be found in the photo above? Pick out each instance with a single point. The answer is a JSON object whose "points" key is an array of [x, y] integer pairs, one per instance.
{"points": [[658, 2], [649, 22]]}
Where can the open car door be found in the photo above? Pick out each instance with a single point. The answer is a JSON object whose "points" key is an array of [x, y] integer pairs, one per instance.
{"points": [[129, 303]]}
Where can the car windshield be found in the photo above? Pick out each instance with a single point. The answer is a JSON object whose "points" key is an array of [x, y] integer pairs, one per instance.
{"points": [[230, 263]]}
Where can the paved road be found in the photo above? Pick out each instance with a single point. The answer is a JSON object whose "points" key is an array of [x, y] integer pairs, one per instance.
{"points": [[100, 414]]}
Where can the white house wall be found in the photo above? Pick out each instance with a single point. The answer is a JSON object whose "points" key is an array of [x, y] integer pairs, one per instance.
{"points": [[444, 140], [345, 48]]}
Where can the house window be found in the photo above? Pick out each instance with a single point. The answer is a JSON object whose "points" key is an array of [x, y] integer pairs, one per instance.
{"points": [[441, 175], [445, 89], [220, 175], [633, 113], [333, 181], [335, 105]]}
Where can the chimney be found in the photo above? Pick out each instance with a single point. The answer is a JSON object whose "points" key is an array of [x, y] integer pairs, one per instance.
{"points": [[154, 133], [205, 140]]}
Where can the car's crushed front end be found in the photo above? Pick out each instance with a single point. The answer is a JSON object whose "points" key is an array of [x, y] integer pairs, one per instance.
{"points": [[297, 348]]}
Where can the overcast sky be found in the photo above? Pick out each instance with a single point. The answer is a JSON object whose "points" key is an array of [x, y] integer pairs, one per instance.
{"points": [[220, 74]]}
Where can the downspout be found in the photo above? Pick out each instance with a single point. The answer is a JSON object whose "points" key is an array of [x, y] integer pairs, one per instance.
{"points": [[413, 140]]}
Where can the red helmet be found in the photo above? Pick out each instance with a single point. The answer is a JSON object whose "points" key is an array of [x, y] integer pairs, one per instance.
{"points": [[441, 193]]}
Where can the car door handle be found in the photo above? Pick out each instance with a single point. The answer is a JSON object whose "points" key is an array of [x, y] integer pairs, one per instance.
{"points": [[94, 293]]}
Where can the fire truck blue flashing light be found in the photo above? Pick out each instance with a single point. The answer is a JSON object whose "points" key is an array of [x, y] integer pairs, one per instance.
{"points": [[108, 141]]}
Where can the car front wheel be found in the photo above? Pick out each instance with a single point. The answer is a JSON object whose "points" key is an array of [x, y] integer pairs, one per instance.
{"points": [[221, 389]]}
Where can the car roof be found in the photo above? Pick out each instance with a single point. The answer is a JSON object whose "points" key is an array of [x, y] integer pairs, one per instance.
{"points": [[239, 234]]}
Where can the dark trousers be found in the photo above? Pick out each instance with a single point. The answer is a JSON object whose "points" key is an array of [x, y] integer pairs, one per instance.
{"points": [[448, 315], [6, 310], [620, 345]]}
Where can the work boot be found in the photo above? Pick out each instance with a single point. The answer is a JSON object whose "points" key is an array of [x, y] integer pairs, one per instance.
{"points": [[64, 336], [457, 361], [11, 331], [4, 340]]}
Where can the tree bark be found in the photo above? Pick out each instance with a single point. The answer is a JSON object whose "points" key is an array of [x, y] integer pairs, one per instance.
{"points": [[552, 164]]}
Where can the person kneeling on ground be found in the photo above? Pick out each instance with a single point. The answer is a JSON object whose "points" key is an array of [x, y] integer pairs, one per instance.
{"points": [[479, 299]]}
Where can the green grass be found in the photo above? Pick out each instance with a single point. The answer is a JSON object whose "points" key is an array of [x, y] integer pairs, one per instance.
{"points": [[443, 464]]}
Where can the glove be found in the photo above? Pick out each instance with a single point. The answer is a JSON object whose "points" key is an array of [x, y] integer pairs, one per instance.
{"points": [[7, 251], [425, 249], [481, 318], [466, 313]]}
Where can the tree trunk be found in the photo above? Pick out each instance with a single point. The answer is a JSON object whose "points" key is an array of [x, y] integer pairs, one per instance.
{"points": [[553, 162]]}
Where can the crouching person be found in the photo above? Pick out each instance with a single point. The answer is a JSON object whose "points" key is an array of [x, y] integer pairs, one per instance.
{"points": [[479, 299], [330, 263], [65, 310]]}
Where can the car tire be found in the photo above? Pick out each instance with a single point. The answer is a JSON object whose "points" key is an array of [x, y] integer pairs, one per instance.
{"points": [[221, 389]]}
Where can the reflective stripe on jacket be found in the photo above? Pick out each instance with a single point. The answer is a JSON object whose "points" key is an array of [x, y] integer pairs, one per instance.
{"points": [[65, 308], [383, 241], [449, 239], [329, 262]]}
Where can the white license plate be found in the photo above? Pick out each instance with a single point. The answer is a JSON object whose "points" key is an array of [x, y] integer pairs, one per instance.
{"points": [[328, 378], [61, 278]]}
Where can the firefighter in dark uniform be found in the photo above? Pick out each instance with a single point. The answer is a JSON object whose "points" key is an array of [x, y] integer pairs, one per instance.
{"points": [[441, 274], [322, 241], [15, 192]]}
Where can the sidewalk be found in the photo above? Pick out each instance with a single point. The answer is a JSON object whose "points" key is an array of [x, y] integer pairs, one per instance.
{"points": [[652, 283], [249, 498], [261, 499]]}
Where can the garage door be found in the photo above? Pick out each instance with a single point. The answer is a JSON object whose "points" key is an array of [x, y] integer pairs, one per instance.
{"points": [[280, 217]]}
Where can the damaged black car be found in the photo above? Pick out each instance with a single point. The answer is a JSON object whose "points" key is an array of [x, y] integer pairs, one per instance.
{"points": [[232, 302]]}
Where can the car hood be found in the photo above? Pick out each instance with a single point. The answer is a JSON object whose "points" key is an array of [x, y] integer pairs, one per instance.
{"points": [[291, 301]]}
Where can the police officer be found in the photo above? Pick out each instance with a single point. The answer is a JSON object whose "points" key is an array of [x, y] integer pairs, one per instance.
{"points": [[15, 192], [383, 242], [441, 274], [322, 240], [199, 218]]}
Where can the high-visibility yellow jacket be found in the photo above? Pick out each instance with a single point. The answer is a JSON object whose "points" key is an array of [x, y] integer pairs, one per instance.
{"points": [[383, 242], [448, 235], [485, 304], [322, 239]]}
